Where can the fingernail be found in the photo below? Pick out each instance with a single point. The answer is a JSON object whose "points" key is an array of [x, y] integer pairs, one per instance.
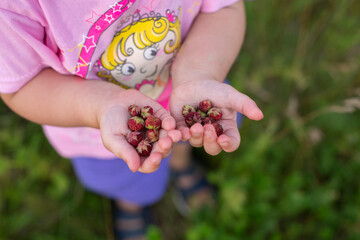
{"points": [[133, 168], [262, 114], [207, 133], [157, 162], [224, 144]]}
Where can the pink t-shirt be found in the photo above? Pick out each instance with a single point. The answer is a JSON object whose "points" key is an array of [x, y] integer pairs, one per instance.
{"points": [[130, 43]]}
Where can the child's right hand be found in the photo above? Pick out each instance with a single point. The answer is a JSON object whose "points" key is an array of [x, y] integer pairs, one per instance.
{"points": [[113, 120]]}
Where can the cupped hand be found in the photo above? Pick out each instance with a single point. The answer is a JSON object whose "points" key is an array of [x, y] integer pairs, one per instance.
{"points": [[223, 96], [113, 121]]}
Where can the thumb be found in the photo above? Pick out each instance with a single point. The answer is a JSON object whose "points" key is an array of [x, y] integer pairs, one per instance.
{"points": [[244, 104]]}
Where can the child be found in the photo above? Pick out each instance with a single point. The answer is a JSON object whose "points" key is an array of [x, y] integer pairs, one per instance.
{"points": [[48, 48]]}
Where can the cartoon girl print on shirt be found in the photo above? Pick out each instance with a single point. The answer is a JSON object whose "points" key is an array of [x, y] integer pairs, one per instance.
{"points": [[140, 55]]}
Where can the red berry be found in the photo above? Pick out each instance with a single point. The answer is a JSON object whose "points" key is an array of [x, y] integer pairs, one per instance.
{"points": [[207, 120], [134, 138], [134, 110], [136, 123], [187, 109], [218, 128], [201, 113], [205, 105], [192, 117], [146, 112], [144, 148], [152, 122], [215, 113], [153, 135]]}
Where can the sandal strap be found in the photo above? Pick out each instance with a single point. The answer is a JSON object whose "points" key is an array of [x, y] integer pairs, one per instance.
{"points": [[200, 184], [181, 195], [128, 215], [144, 214]]}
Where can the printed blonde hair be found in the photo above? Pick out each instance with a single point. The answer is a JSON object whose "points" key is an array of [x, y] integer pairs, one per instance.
{"points": [[145, 33]]}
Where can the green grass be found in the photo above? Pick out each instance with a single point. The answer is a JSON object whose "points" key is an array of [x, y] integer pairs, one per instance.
{"points": [[295, 175]]}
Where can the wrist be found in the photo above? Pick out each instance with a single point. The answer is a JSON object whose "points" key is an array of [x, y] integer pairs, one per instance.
{"points": [[183, 73], [111, 96]]}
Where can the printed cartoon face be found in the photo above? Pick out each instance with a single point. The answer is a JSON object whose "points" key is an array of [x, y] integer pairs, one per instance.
{"points": [[139, 56], [142, 67]]}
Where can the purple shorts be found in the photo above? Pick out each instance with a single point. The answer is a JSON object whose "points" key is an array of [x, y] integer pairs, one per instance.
{"points": [[113, 179]]}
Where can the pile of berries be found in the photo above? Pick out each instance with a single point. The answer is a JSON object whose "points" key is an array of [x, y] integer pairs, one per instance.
{"points": [[205, 113], [144, 127]]}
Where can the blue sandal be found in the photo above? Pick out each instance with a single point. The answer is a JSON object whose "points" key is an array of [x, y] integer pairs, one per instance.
{"points": [[181, 195], [130, 224]]}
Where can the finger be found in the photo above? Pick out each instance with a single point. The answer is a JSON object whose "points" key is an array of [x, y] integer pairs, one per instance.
{"points": [[118, 145], [184, 130], [175, 135], [185, 133], [163, 146], [151, 164], [230, 139], [243, 104], [211, 146], [197, 132], [167, 122]]}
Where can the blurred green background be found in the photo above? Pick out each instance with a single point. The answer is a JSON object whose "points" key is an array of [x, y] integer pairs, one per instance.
{"points": [[295, 175]]}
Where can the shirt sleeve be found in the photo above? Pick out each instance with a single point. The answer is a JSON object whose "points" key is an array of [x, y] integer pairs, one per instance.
{"points": [[23, 50], [214, 5]]}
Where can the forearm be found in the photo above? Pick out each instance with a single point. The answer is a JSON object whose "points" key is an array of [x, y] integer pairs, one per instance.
{"points": [[60, 100], [211, 46]]}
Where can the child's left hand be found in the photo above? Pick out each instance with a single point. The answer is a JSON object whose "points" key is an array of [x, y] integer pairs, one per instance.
{"points": [[223, 96]]}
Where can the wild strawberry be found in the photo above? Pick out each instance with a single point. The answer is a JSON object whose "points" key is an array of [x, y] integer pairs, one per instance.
{"points": [[134, 138], [205, 105], [153, 135], [187, 109], [136, 123], [134, 110], [152, 122], [192, 117], [201, 113], [215, 113], [146, 112], [207, 120], [218, 128], [144, 148]]}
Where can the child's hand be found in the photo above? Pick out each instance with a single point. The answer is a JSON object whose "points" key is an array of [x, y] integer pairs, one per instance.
{"points": [[223, 96], [113, 121]]}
